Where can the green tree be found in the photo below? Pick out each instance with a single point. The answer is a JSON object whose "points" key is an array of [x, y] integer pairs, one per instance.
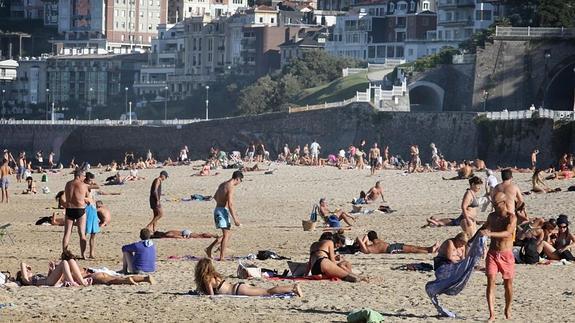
{"points": [[556, 13], [259, 98], [522, 13]]}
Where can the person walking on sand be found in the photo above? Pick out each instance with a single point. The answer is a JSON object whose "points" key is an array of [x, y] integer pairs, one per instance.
{"points": [[314, 148], [500, 227], [224, 198], [374, 154], [155, 197], [5, 171], [534, 159], [77, 196]]}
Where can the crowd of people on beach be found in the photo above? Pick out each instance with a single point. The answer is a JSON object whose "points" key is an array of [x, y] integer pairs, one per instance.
{"points": [[514, 234]]}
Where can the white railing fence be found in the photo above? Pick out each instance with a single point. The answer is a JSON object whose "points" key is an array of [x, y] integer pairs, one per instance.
{"points": [[527, 114], [534, 32], [106, 122]]}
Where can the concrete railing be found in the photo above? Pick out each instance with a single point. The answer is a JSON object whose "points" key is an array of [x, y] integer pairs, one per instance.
{"points": [[106, 122], [527, 114], [351, 71], [328, 105], [534, 32]]}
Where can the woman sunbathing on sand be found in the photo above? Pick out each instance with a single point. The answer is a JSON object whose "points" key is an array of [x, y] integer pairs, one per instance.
{"points": [[323, 261], [182, 234], [210, 282], [539, 185], [103, 278], [65, 272]]}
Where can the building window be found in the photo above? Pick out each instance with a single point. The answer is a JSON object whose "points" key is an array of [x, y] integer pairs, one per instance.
{"points": [[410, 52], [272, 20], [426, 5], [412, 6], [261, 19], [483, 15]]}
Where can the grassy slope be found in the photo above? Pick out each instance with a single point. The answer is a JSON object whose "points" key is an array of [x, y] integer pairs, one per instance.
{"points": [[337, 90]]}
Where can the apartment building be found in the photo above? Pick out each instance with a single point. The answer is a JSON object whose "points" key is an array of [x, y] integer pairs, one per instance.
{"points": [[458, 20], [377, 31], [92, 79], [182, 9], [97, 26], [27, 9], [305, 40], [165, 60], [29, 87], [50, 13]]}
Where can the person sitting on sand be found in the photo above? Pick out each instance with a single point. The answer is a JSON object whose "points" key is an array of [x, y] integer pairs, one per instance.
{"points": [[325, 213], [104, 214], [31, 188], [115, 180], [140, 256], [66, 272], [210, 282], [370, 243], [374, 193], [464, 172], [323, 260], [469, 205], [539, 185], [451, 250], [61, 199]]}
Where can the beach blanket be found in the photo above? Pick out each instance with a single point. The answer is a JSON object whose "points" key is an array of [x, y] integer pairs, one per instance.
{"points": [[452, 278], [280, 296], [310, 277], [198, 258]]}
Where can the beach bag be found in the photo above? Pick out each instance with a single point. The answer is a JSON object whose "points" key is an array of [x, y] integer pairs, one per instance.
{"points": [[3, 279], [298, 269], [44, 178], [528, 253], [269, 254], [246, 271], [308, 225], [313, 214], [364, 315], [333, 221]]}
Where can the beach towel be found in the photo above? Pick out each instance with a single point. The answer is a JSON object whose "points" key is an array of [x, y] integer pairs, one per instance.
{"points": [[280, 296], [452, 278], [198, 258], [418, 266], [310, 277], [364, 315]]}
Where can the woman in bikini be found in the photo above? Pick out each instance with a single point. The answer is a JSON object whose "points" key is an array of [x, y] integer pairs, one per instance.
{"points": [[469, 206], [323, 261], [210, 282], [65, 272]]}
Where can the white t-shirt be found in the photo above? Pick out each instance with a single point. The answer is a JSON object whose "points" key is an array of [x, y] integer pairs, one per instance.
{"points": [[314, 147], [342, 153], [492, 181]]}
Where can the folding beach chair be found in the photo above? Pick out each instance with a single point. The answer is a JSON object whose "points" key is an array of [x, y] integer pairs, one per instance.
{"points": [[5, 233]]}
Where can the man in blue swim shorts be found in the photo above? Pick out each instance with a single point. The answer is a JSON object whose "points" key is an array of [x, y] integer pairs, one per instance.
{"points": [[224, 209]]}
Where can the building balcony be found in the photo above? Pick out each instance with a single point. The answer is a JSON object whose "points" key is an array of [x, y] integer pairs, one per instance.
{"points": [[191, 78], [454, 4], [456, 23], [150, 84]]}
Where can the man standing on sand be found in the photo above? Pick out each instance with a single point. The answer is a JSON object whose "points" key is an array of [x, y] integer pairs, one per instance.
{"points": [[500, 227], [77, 196], [534, 159], [374, 154], [5, 171], [155, 197], [515, 201], [314, 149], [224, 198]]}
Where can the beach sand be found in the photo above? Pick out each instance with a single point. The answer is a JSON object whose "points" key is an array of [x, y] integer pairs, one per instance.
{"points": [[271, 208]]}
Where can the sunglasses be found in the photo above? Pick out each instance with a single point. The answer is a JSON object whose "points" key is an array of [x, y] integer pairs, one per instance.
{"points": [[562, 226]]}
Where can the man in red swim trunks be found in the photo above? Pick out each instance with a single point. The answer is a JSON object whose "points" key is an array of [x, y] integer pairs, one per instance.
{"points": [[500, 227]]}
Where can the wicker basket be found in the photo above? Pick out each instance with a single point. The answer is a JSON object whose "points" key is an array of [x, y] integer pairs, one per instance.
{"points": [[308, 225]]}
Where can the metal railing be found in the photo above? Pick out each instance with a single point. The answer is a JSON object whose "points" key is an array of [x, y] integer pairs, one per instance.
{"points": [[534, 32], [106, 122], [528, 114], [328, 105]]}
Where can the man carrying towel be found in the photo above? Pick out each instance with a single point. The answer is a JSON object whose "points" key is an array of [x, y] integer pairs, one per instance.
{"points": [[224, 198]]}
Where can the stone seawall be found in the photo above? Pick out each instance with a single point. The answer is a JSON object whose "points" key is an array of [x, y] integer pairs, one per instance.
{"points": [[457, 135]]}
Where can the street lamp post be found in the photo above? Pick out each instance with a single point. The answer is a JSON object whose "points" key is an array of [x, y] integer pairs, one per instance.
{"points": [[130, 112], [547, 56], [52, 113], [90, 106], [485, 96], [126, 92], [166, 103], [207, 101], [47, 102], [3, 94]]}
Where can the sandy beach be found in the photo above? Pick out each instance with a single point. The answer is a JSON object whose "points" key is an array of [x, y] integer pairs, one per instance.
{"points": [[271, 208]]}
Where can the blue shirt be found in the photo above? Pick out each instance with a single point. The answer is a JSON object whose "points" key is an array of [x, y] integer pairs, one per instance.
{"points": [[144, 255]]}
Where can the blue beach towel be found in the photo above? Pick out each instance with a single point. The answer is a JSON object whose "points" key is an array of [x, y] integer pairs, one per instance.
{"points": [[452, 278]]}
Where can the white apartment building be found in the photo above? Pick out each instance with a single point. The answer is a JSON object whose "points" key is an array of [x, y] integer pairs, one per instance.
{"points": [[350, 35], [182, 9], [459, 19], [165, 60]]}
